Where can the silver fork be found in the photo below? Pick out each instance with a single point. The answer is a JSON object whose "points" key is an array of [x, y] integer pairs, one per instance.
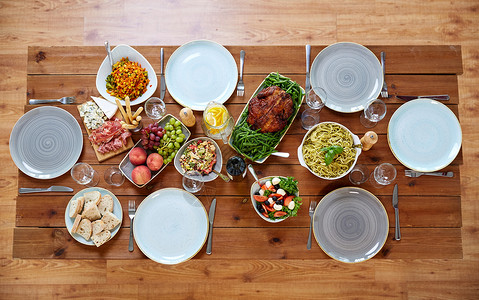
{"points": [[63, 100], [412, 173], [384, 91], [312, 207], [131, 214], [240, 88]]}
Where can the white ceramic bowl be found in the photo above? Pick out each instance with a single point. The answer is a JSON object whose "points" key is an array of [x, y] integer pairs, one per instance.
{"points": [[256, 187], [117, 54], [219, 159], [356, 141]]}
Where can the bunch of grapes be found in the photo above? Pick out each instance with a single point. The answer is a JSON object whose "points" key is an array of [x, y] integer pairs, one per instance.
{"points": [[151, 136], [171, 141]]}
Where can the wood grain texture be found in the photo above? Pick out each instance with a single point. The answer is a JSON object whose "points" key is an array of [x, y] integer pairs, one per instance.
{"points": [[45, 23]]}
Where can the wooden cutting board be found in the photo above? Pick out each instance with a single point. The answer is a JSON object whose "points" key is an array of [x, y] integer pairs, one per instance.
{"points": [[104, 156]]}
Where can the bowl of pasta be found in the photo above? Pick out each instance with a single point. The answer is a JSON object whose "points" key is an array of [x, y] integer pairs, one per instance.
{"points": [[329, 150]]}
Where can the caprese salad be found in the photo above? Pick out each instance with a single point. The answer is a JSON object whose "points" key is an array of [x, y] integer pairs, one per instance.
{"points": [[276, 198]]}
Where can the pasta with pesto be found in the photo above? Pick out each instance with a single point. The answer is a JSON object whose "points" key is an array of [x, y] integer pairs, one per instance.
{"points": [[326, 135]]}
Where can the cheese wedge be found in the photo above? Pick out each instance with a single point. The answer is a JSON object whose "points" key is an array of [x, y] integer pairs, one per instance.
{"points": [[106, 106]]}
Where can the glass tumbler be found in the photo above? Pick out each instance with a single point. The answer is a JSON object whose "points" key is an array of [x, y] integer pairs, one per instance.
{"points": [[192, 181], [359, 174], [155, 108], [315, 99], [113, 176], [84, 174], [383, 175], [374, 112]]}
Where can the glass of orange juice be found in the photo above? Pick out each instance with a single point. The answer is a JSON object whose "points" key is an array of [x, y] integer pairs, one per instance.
{"points": [[217, 122]]}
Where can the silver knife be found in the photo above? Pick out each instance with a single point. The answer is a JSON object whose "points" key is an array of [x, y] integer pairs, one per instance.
{"points": [[397, 233], [54, 188], [433, 97], [211, 217], [308, 58], [162, 76]]}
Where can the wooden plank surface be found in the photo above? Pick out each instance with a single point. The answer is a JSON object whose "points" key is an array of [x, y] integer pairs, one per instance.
{"points": [[378, 23], [421, 213], [238, 244], [434, 59]]}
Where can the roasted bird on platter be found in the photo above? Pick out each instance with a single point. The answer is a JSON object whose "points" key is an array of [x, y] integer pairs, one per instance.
{"points": [[266, 118]]}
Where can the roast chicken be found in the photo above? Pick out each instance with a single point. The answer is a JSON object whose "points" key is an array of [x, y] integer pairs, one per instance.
{"points": [[270, 109]]}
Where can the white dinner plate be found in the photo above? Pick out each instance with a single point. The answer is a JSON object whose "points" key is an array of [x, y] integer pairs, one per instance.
{"points": [[350, 74], [350, 224], [424, 135], [46, 142], [117, 54], [199, 72], [117, 211], [170, 226]]}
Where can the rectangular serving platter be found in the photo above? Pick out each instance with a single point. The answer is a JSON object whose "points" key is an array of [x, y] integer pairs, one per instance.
{"points": [[104, 156], [290, 120], [127, 167]]}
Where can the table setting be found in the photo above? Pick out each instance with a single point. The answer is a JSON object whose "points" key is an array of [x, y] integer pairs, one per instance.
{"points": [[238, 151]]}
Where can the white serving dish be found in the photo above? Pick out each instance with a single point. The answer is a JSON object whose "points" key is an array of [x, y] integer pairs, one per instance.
{"points": [[217, 167], [356, 141], [117, 54]]}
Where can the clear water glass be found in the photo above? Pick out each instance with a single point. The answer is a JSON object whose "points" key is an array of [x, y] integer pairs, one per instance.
{"points": [[192, 181], [316, 98], [359, 174], [84, 174], [309, 118], [155, 108], [114, 176], [383, 175], [374, 112]]}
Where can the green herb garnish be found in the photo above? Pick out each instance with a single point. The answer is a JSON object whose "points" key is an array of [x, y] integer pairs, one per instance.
{"points": [[289, 185], [331, 152]]}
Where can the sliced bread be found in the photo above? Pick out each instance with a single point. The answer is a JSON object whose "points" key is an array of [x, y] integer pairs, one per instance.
{"points": [[91, 212], [101, 237], [98, 226], [85, 229], [92, 197], [110, 220], [76, 206], [106, 204], [76, 223]]}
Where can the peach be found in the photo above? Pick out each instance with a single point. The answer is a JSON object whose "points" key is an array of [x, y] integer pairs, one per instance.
{"points": [[137, 156], [154, 161], [141, 175]]}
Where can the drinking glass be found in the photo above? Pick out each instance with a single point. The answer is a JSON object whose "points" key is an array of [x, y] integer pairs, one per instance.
{"points": [[315, 98], [374, 112], [359, 174], [192, 181], [84, 174], [309, 118], [383, 175], [113, 176], [155, 108]]}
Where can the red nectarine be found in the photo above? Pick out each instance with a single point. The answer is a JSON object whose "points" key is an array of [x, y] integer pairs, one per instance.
{"points": [[137, 156], [154, 161], [141, 175]]}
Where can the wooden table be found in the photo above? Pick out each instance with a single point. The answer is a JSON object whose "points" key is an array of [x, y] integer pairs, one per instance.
{"points": [[430, 207]]}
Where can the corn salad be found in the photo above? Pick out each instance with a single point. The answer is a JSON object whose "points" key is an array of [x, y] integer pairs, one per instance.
{"points": [[127, 79]]}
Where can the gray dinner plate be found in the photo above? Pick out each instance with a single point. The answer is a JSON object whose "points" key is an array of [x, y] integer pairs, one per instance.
{"points": [[46, 142], [350, 224]]}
